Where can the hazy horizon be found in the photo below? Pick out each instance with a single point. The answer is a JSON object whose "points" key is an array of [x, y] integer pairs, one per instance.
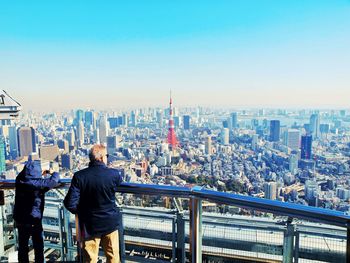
{"points": [[232, 54]]}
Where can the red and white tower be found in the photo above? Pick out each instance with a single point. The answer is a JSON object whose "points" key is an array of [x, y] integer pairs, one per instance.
{"points": [[172, 140]]}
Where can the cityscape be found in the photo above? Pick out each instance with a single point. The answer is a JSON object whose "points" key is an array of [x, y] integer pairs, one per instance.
{"points": [[298, 156]]}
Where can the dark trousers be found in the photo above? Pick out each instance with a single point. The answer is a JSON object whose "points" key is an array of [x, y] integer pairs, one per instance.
{"points": [[25, 231]]}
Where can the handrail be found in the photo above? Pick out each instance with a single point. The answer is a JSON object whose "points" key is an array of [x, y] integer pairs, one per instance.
{"points": [[314, 214]]}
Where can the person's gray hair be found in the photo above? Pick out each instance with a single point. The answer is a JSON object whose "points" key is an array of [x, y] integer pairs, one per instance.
{"points": [[97, 152]]}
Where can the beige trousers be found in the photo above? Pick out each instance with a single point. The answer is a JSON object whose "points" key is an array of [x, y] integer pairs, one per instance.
{"points": [[110, 245]]}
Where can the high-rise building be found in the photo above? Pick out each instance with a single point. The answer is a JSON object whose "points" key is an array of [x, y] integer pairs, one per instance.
{"points": [[2, 155], [208, 145], [103, 129], [234, 120], [49, 152], [255, 140], [133, 118], [67, 161], [311, 190], [172, 140], [79, 115], [26, 141], [315, 125], [292, 139], [125, 120], [225, 136], [13, 142], [89, 118], [63, 144], [114, 122], [112, 144], [293, 163], [275, 130], [97, 136], [306, 147], [270, 190], [186, 122], [71, 138], [159, 116], [80, 133]]}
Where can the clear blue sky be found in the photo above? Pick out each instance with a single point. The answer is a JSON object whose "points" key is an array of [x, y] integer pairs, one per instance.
{"points": [[70, 54]]}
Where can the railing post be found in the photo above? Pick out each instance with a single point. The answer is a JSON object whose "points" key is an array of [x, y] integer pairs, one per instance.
{"points": [[2, 234], [288, 242], [296, 247], [180, 238], [63, 232], [348, 243], [196, 230], [121, 236]]}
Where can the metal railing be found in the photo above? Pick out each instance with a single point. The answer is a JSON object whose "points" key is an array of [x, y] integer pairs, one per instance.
{"points": [[294, 239]]}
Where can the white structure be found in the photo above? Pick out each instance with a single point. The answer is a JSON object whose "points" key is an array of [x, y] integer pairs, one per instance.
{"points": [[103, 129], [225, 136]]}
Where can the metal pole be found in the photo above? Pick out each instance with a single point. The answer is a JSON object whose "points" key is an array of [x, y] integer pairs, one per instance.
{"points": [[180, 238], [173, 245], [2, 243], [348, 244], [196, 230], [288, 242], [121, 236], [296, 247], [63, 230]]}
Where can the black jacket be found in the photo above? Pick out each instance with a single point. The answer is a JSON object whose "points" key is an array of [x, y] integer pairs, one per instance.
{"points": [[30, 193], [92, 196]]}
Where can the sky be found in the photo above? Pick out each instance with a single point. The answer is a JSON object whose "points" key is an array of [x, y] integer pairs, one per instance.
{"points": [[126, 54]]}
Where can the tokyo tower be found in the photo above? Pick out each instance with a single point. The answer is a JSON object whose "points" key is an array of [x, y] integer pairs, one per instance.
{"points": [[172, 140]]}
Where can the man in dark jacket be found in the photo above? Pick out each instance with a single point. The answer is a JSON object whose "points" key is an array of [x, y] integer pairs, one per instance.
{"points": [[29, 208], [92, 197]]}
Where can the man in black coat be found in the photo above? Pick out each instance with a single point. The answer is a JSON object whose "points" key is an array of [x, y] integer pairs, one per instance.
{"points": [[29, 208], [92, 197]]}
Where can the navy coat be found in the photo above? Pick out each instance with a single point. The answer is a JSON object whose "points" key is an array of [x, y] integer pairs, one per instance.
{"points": [[92, 196], [30, 193]]}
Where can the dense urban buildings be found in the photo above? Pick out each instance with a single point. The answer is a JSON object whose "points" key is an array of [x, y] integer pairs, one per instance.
{"points": [[265, 153]]}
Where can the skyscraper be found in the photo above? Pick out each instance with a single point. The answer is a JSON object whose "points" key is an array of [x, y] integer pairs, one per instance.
{"points": [[293, 163], [255, 140], [71, 138], [159, 116], [89, 118], [315, 125], [270, 190], [208, 145], [225, 136], [274, 131], [133, 118], [13, 142], [292, 139], [103, 129], [67, 161], [112, 144], [49, 152], [63, 144], [80, 133], [125, 120], [234, 120], [79, 115], [306, 147], [26, 141], [172, 140], [186, 122]]}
